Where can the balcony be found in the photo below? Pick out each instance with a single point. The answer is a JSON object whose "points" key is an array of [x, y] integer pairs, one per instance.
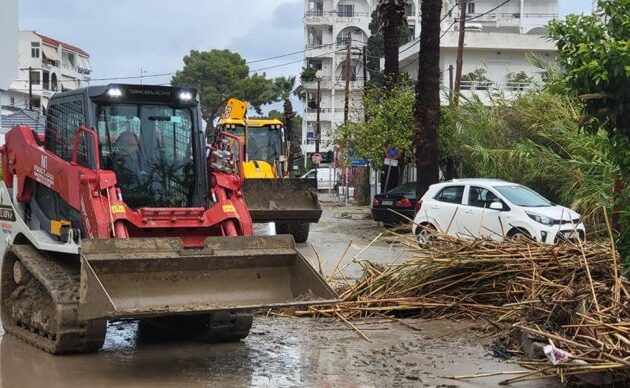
{"points": [[502, 19], [486, 91], [325, 114], [319, 50], [339, 18], [328, 83]]}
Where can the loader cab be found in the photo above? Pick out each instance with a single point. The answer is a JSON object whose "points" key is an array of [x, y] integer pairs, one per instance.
{"points": [[265, 140], [149, 136]]}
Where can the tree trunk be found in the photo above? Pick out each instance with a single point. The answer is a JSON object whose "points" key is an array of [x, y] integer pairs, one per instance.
{"points": [[288, 118], [392, 17], [427, 106]]}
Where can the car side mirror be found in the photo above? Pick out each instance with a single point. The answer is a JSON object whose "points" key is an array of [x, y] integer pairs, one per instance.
{"points": [[496, 206]]}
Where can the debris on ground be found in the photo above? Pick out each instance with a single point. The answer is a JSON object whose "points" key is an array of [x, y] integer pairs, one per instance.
{"points": [[569, 301]]}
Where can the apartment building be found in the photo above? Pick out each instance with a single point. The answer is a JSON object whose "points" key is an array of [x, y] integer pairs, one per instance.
{"points": [[501, 39], [8, 49], [54, 66], [330, 26]]}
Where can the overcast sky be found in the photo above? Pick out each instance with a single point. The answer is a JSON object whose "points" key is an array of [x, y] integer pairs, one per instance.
{"points": [[123, 36]]}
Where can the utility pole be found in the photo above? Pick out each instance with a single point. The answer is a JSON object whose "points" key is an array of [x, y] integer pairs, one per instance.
{"points": [[346, 105], [460, 50], [318, 130], [30, 88], [365, 75], [450, 84]]}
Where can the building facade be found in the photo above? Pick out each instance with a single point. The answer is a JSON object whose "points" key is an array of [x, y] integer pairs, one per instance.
{"points": [[54, 66], [8, 49], [330, 27], [501, 43], [500, 38]]}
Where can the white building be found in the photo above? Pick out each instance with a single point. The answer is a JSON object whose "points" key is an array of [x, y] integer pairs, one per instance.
{"points": [[55, 66], [328, 27], [8, 49], [499, 42], [499, 39]]}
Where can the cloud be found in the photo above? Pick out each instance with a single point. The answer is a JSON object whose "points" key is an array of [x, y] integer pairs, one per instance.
{"points": [[123, 36]]}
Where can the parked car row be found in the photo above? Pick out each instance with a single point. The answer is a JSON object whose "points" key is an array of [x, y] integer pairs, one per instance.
{"points": [[479, 208]]}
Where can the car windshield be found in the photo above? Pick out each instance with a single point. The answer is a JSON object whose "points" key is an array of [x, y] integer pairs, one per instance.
{"points": [[149, 147], [407, 188], [523, 196]]}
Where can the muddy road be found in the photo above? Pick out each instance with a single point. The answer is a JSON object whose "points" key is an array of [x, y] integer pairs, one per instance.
{"points": [[279, 351]]}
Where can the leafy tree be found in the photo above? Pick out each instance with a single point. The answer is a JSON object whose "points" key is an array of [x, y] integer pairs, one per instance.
{"points": [[594, 51], [285, 88], [390, 124], [427, 102], [219, 75], [309, 74]]}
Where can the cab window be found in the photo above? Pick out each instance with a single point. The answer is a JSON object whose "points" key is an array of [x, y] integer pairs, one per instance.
{"points": [[451, 194]]}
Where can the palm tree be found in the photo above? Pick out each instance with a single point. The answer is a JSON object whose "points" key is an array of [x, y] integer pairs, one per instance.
{"points": [[284, 88], [392, 17], [427, 105]]}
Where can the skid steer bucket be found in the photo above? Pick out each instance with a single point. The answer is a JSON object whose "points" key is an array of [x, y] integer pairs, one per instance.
{"points": [[135, 278], [289, 199]]}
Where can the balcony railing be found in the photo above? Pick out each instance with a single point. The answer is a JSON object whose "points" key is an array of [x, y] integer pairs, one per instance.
{"points": [[313, 14], [507, 86], [506, 19]]}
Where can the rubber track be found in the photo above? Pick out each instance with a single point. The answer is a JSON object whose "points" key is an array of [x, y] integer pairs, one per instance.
{"points": [[61, 280]]}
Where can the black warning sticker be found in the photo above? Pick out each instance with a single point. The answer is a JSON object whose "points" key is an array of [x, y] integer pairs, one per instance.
{"points": [[6, 213]]}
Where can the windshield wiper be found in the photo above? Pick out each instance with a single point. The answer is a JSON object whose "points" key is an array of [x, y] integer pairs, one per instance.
{"points": [[159, 118]]}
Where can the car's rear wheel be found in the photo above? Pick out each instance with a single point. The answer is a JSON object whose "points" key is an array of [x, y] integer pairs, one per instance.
{"points": [[425, 234]]}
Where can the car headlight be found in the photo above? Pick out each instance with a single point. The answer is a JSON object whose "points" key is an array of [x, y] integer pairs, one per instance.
{"points": [[541, 219]]}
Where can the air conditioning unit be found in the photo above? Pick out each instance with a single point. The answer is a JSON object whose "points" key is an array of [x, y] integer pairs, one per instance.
{"points": [[474, 27]]}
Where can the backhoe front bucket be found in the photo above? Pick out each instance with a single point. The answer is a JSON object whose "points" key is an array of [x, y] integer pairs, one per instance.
{"points": [[145, 277], [282, 200]]}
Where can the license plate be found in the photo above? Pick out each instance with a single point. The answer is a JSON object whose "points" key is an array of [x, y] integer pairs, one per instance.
{"points": [[387, 203]]}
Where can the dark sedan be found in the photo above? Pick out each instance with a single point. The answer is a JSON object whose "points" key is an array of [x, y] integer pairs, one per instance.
{"points": [[401, 199]]}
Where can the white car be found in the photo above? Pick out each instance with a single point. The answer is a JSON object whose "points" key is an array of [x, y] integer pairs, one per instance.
{"points": [[493, 209]]}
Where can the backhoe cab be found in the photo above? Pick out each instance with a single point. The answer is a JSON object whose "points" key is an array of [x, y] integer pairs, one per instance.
{"points": [[271, 195]]}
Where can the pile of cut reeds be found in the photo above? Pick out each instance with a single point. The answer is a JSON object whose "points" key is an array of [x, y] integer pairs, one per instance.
{"points": [[572, 295]]}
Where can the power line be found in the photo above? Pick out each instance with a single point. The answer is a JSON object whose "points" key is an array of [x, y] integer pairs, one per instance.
{"points": [[220, 67]]}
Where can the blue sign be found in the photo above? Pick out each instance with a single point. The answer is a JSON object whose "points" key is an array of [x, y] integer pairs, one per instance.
{"points": [[360, 163], [392, 153]]}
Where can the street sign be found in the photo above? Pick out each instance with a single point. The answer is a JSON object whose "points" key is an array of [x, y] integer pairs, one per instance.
{"points": [[391, 162], [316, 158], [392, 153]]}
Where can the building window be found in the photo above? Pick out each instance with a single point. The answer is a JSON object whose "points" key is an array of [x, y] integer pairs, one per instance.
{"points": [[344, 38], [316, 8], [35, 77], [471, 7], [12, 99], [315, 64], [345, 10], [409, 9], [34, 49]]}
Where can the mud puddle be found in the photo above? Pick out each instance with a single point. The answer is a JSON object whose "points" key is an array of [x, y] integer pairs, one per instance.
{"points": [[278, 352]]}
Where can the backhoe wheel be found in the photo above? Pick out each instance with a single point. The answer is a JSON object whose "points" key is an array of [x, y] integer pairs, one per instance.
{"points": [[299, 230]]}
